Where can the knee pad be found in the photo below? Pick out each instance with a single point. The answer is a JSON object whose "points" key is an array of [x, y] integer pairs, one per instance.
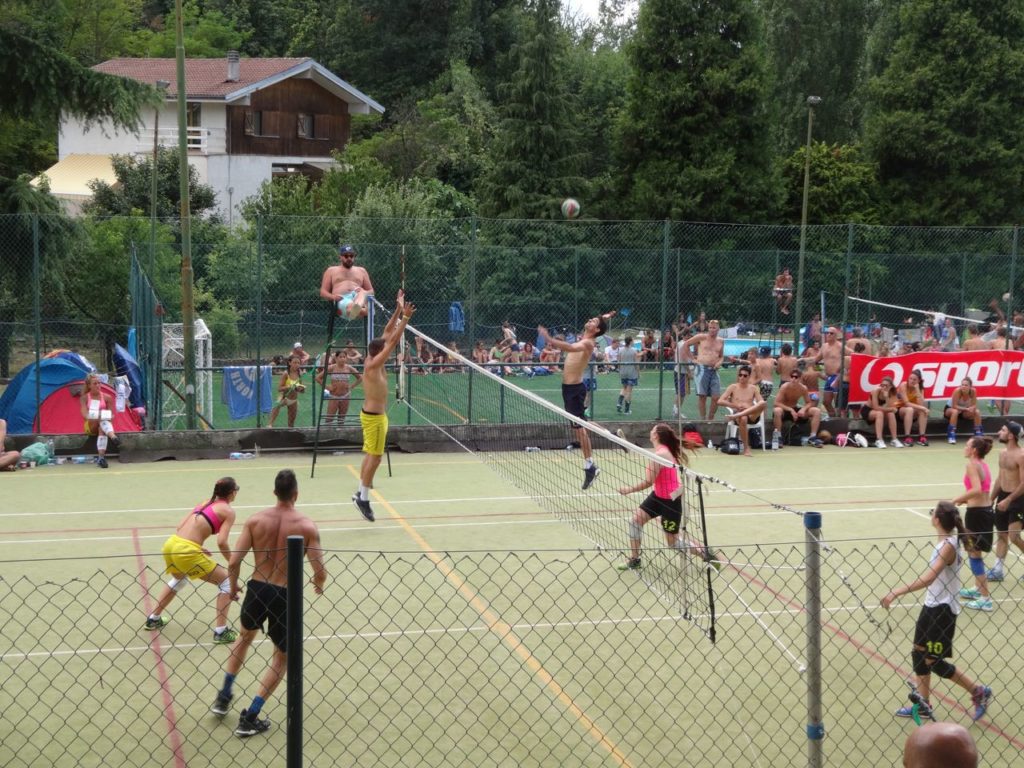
{"points": [[225, 587], [177, 584], [636, 531], [919, 662], [977, 566], [943, 669], [101, 443]]}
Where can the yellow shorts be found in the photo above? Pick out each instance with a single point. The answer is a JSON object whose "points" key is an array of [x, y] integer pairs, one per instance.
{"points": [[375, 432], [186, 558]]}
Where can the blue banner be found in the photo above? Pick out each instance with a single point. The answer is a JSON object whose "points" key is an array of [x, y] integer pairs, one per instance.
{"points": [[238, 391]]}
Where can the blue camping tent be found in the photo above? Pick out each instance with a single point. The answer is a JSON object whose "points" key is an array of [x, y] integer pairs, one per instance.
{"points": [[18, 402], [125, 365]]}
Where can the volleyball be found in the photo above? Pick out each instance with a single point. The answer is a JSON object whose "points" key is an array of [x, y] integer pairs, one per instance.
{"points": [[570, 208]]}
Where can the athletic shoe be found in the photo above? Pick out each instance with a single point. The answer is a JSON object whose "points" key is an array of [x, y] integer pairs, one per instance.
{"points": [[632, 564], [586, 412], [817, 442], [879, 443], [221, 704], [908, 443], [981, 604], [589, 475], [250, 725], [223, 638], [969, 593], [994, 575], [951, 439], [158, 623], [618, 408], [675, 411], [710, 557], [629, 408], [363, 505], [923, 441], [896, 443], [924, 710], [980, 698], [102, 462]]}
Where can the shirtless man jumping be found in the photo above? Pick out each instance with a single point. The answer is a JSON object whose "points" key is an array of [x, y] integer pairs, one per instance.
{"points": [[709, 351], [746, 403], [348, 286], [1008, 496], [574, 391], [266, 535]]}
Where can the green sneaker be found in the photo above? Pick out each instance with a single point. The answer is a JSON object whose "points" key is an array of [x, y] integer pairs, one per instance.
{"points": [[632, 564], [223, 638], [969, 594], [157, 623]]}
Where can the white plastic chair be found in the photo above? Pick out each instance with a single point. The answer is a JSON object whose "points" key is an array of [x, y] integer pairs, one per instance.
{"points": [[732, 429]]}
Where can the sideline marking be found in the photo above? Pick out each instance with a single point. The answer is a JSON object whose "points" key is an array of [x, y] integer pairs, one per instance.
{"points": [[161, 667], [505, 634]]}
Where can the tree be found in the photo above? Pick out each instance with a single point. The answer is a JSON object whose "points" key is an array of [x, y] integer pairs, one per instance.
{"points": [[844, 186], [131, 194], [817, 48], [208, 33], [534, 163], [694, 135], [943, 122]]}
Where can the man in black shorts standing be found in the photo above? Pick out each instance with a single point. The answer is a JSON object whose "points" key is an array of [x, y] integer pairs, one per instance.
{"points": [[1008, 497], [574, 392], [266, 534]]}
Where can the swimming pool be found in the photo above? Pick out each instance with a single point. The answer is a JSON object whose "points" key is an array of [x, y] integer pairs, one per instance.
{"points": [[736, 347]]}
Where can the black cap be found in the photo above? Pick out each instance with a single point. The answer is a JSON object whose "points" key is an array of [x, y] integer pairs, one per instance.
{"points": [[346, 249], [1015, 427]]}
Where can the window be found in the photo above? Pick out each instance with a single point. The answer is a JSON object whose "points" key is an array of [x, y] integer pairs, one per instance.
{"points": [[253, 123], [304, 126], [193, 115]]}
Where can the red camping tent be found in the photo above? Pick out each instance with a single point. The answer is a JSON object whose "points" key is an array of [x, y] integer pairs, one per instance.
{"points": [[61, 411]]}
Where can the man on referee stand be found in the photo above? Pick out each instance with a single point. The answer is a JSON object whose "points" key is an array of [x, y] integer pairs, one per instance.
{"points": [[574, 391]]}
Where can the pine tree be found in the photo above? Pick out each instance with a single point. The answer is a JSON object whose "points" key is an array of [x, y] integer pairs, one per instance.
{"points": [[944, 115], [694, 136]]}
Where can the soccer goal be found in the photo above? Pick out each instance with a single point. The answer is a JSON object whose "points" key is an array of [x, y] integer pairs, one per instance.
{"points": [[173, 384]]}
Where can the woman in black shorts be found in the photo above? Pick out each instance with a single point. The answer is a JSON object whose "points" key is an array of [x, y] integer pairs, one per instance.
{"points": [[979, 520], [936, 625]]}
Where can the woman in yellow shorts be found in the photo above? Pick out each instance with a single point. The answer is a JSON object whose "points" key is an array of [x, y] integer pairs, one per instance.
{"points": [[186, 558]]}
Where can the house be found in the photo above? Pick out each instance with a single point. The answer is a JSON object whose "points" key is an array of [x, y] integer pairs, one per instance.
{"points": [[248, 120]]}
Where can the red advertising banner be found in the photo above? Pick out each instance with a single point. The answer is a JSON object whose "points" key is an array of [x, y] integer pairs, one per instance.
{"points": [[995, 373]]}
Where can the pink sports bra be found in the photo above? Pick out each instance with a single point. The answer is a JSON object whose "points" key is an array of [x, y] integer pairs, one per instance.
{"points": [[665, 482], [986, 477], [206, 512]]}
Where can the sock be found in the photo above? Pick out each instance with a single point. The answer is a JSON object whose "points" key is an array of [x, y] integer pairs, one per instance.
{"points": [[219, 630], [364, 492], [950, 430], [621, 398], [229, 680], [256, 706], [588, 463], [154, 616], [999, 565]]}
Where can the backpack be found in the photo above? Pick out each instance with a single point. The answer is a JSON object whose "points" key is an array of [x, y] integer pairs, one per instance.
{"points": [[730, 446], [797, 431]]}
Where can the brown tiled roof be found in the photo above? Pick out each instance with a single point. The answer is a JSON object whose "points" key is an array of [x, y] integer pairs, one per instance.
{"points": [[205, 78]]}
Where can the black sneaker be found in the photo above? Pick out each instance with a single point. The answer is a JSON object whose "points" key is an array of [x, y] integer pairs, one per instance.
{"points": [[157, 623], [589, 475], [250, 725], [632, 564], [363, 505], [221, 705], [102, 461]]}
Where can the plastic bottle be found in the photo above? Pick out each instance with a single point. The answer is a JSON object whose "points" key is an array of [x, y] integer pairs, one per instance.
{"points": [[78, 459], [50, 451], [710, 444], [532, 449], [234, 455]]}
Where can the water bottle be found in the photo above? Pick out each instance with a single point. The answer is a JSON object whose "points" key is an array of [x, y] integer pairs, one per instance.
{"points": [[532, 449], [50, 452], [234, 455], [78, 459], [247, 456], [710, 444], [119, 400]]}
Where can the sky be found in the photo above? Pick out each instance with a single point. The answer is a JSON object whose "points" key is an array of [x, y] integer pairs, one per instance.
{"points": [[589, 7]]}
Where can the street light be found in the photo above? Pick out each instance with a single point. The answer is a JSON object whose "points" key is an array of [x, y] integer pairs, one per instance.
{"points": [[162, 86], [812, 102]]}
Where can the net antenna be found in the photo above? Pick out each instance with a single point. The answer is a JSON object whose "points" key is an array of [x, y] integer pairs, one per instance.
{"points": [[403, 364], [527, 447]]}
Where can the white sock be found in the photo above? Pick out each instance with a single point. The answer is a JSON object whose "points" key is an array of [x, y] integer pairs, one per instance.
{"points": [[154, 616], [219, 630], [588, 463], [364, 492], [999, 564]]}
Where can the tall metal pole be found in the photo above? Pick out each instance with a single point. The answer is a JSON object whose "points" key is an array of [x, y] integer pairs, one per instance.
{"points": [[161, 85], [812, 603], [187, 306], [812, 102]]}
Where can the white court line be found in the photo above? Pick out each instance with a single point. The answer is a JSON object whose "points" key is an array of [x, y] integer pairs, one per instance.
{"points": [[349, 636]]}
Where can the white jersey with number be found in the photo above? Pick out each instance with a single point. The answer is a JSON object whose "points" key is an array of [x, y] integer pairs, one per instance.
{"points": [[946, 587]]}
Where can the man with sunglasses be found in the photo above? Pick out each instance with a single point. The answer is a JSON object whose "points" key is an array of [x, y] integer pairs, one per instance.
{"points": [[347, 285], [745, 401], [788, 408]]}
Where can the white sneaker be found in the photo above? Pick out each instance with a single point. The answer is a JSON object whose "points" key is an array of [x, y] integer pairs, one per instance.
{"points": [[879, 443], [951, 440], [675, 411], [896, 443]]}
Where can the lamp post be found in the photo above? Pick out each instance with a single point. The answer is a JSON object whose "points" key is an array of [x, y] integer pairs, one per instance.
{"points": [[812, 102], [162, 86]]}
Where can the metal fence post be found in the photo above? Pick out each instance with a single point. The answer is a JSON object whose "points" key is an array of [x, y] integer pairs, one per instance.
{"points": [[471, 314], [37, 318], [259, 320], [812, 564], [296, 546], [665, 241]]}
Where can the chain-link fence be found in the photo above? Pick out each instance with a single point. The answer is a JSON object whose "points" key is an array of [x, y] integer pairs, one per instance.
{"points": [[68, 283], [502, 658]]}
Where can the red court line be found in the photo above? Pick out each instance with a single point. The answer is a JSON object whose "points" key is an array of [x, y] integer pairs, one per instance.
{"points": [[873, 654], [170, 718]]}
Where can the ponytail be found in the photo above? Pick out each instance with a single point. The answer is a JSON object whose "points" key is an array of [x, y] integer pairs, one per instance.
{"points": [[222, 489], [949, 518]]}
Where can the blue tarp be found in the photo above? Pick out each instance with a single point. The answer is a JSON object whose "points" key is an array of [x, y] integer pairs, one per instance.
{"points": [[238, 391], [125, 365], [18, 402]]}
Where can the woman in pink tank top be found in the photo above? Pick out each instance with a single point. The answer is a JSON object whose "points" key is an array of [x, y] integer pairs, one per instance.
{"points": [[979, 519], [665, 500]]}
